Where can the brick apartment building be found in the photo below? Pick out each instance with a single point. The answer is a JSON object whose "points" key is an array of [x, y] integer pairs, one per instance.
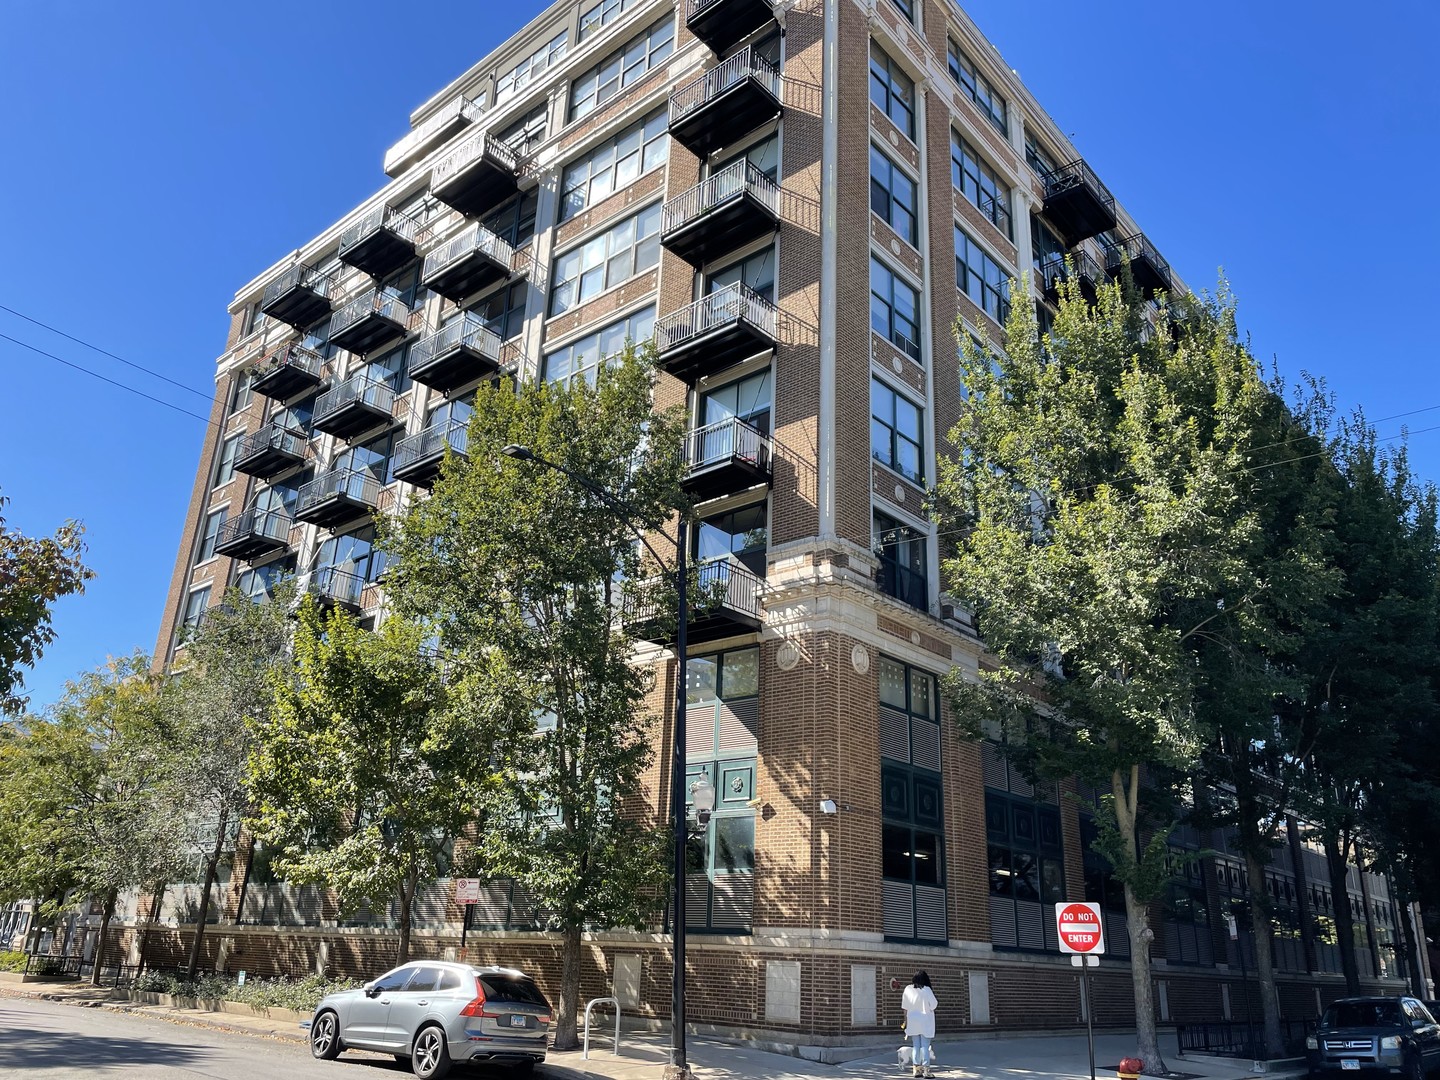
{"points": [[698, 172]]}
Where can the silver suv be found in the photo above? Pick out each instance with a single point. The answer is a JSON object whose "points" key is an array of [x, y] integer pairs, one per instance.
{"points": [[435, 1013]]}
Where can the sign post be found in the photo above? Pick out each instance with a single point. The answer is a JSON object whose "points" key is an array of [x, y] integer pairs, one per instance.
{"points": [[467, 892], [1081, 932]]}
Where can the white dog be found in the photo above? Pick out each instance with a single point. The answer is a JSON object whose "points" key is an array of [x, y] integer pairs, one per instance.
{"points": [[905, 1056]]}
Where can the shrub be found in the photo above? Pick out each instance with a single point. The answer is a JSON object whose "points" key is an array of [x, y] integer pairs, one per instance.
{"points": [[301, 995], [12, 961]]}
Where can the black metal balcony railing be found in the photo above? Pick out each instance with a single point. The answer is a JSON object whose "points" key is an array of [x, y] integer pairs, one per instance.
{"points": [[728, 101], [287, 371], [331, 585], [381, 241], [254, 532], [336, 496], [418, 457], [270, 450], [724, 599], [723, 24], [373, 318], [462, 350], [355, 405], [452, 118], [476, 175], [469, 262], [716, 331], [724, 457], [1077, 203], [299, 296], [1077, 266], [1150, 272], [725, 211]]}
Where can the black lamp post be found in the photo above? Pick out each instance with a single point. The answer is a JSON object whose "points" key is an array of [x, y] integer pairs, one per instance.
{"points": [[678, 1065]]}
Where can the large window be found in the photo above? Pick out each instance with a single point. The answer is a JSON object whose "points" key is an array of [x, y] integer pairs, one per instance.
{"points": [[225, 466], [1037, 157], [894, 309], [891, 90], [259, 582], [893, 197], [979, 183], [978, 88], [581, 359], [1026, 858], [391, 369], [213, 521], [371, 457], [602, 14], [515, 221], [603, 261], [756, 271], [903, 560], [906, 8], [747, 398], [614, 164], [352, 554], [195, 605], [242, 392], [912, 832], [622, 68], [527, 70], [503, 311], [739, 534], [980, 277], [895, 435], [1044, 244]]}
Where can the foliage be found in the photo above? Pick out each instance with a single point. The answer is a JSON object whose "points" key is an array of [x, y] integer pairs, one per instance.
{"points": [[299, 995], [12, 961], [34, 573]]}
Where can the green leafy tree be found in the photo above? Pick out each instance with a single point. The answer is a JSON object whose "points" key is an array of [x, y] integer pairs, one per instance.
{"points": [[361, 779], [34, 573], [1097, 507], [517, 568]]}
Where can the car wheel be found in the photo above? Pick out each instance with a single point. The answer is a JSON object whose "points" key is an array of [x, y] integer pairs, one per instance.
{"points": [[325, 1037], [430, 1056]]}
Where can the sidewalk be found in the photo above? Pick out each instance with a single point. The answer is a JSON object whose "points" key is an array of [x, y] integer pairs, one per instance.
{"points": [[643, 1055]]}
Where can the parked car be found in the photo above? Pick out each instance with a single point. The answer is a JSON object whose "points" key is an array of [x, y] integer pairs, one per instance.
{"points": [[1395, 1035], [435, 1013]]}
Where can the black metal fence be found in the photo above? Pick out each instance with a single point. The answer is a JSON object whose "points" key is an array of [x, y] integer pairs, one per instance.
{"points": [[1242, 1039], [77, 967]]}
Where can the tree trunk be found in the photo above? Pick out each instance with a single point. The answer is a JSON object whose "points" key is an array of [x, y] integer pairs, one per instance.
{"points": [[1335, 855], [1264, 933], [156, 902], [105, 917], [407, 901], [567, 1012], [210, 865], [1412, 949], [1147, 1042]]}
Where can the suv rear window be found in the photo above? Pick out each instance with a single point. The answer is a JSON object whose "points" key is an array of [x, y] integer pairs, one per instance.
{"points": [[518, 991], [1345, 1014]]}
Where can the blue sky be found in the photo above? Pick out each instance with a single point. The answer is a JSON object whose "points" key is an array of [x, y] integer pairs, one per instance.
{"points": [[158, 155]]}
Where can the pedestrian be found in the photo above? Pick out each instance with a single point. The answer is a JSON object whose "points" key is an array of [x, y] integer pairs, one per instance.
{"points": [[919, 1004]]}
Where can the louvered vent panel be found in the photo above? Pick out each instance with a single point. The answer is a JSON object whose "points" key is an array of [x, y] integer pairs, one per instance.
{"points": [[992, 763], [1117, 933], [732, 905], [700, 730], [1002, 922], [930, 914], [1031, 924], [1020, 786], [925, 748], [1047, 919], [894, 734], [897, 909], [740, 727], [697, 900]]}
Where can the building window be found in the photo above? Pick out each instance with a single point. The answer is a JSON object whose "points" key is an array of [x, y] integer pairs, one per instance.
{"points": [[895, 431], [1044, 244], [213, 521], [912, 830], [515, 221], [195, 605], [527, 70], [979, 183], [978, 88], [894, 309], [242, 392], [391, 369], [526, 131], [1027, 867], [892, 196], [503, 311], [622, 68], [615, 164], [901, 549], [603, 261], [756, 272], [255, 320], [746, 399], [1037, 157], [350, 561], [891, 90], [602, 14], [581, 359], [1185, 915], [981, 278], [740, 535], [258, 583], [371, 457], [225, 467], [906, 8]]}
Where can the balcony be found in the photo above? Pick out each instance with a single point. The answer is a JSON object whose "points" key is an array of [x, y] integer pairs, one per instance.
{"points": [[439, 129], [381, 242], [723, 458], [728, 101], [373, 318], [337, 496], [724, 600], [726, 211], [336, 588], [253, 532], [354, 406], [715, 332], [288, 371], [1150, 271], [1077, 203], [1078, 265], [461, 351], [418, 457], [723, 24], [477, 175], [299, 296], [270, 450], [468, 263]]}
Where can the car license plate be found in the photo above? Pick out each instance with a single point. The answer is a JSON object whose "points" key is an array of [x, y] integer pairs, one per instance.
{"points": [[519, 1021], [1345, 1064]]}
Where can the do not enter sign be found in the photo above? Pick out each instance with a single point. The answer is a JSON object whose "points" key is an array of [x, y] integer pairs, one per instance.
{"points": [[1079, 928]]}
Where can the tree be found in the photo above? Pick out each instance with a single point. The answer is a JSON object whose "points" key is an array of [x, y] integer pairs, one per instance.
{"points": [[33, 575], [361, 780], [1097, 508], [517, 568]]}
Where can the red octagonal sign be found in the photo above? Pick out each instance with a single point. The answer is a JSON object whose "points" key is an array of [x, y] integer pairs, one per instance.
{"points": [[1079, 928]]}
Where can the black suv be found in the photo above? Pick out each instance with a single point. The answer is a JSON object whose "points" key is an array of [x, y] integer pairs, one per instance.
{"points": [[1375, 1035]]}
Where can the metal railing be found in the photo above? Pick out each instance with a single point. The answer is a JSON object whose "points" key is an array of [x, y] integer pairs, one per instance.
{"points": [[474, 147], [469, 331], [356, 390], [432, 440], [461, 109], [995, 211], [1059, 268], [475, 240], [336, 585], [1076, 174], [904, 584], [589, 1007], [294, 356], [253, 521], [730, 182], [299, 276], [726, 440], [743, 65], [354, 484], [371, 302], [272, 437], [1241, 1038], [1136, 246], [716, 585], [694, 7], [377, 218], [731, 304]]}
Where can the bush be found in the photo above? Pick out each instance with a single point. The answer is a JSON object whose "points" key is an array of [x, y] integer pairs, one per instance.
{"points": [[12, 961], [301, 995]]}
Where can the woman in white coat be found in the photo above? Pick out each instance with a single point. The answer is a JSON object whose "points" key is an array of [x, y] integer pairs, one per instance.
{"points": [[919, 1004]]}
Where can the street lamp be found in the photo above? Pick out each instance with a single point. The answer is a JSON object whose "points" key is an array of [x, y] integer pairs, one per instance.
{"points": [[678, 1066]]}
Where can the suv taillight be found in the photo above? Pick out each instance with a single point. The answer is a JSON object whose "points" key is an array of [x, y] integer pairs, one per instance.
{"points": [[477, 1007]]}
